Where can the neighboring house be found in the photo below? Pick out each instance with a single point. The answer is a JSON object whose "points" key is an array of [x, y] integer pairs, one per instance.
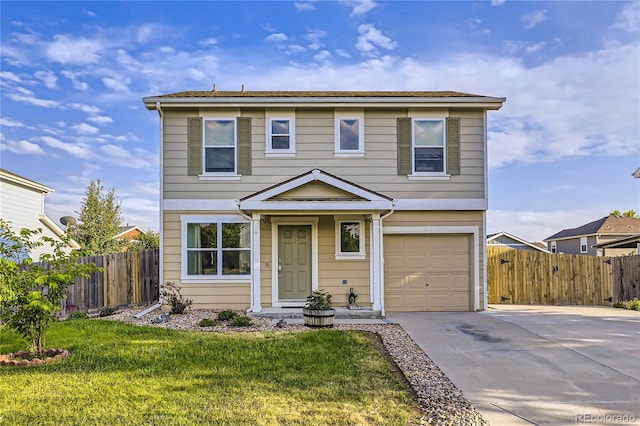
{"points": [[620, 247], [583, 239], [22, 204], [504, 239], [129, 232], [268, 195]]}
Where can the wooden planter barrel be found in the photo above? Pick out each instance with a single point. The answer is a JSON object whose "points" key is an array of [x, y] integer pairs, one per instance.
{"points": [[319, 318]]}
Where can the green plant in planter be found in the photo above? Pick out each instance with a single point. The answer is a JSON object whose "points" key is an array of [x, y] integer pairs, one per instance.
{"points": [[319, 300]]}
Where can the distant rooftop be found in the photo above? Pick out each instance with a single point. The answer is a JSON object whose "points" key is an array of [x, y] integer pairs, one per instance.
{"points": [[317, 94], [606, 225]]}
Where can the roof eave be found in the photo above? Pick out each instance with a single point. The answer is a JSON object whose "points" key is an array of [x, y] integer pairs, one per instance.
{"points": [[492, 103]]}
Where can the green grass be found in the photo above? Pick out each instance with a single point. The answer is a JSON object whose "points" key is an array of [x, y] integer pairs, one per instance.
{"points": [[124, 374]]}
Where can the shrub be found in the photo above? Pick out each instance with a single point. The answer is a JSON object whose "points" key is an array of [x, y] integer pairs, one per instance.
{"points": [[207, 322], [227, 315], [78, 315], [319, 300], [633, 305], [241, 321], [172, 294]]}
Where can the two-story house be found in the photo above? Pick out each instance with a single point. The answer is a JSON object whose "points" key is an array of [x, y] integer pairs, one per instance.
{"points": [[22, 205], [266, 196], [588, 238]]}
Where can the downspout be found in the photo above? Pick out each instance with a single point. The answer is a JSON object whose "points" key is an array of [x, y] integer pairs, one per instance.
{"points": [[250, 219], [382, 310], [161, 217]]}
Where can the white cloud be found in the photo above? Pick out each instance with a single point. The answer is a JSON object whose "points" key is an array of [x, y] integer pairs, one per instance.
{"points": [[322, 56], [370, 38], [629, 18], [113, 84], [21, 147], [9, 76], [497, 2], [91, 109], [305, 5], [85, 129], [100, 119], [120, 156], [208, 42], [77, 150], [32, 100], [90, 13], [69, 50], [313, 37], [361, 7], [295, 48], [534, 18], [275, 38], [8, 122], [49, 79], [342, 53], [77, 84]]}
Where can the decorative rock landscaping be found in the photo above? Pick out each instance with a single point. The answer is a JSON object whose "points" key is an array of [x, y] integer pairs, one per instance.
{"points": [[26, 359]]}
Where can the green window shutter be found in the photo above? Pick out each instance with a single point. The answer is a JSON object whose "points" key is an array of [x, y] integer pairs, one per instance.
{"points": [[404, 146], [244, 145], [194, 137], [453, 145]]}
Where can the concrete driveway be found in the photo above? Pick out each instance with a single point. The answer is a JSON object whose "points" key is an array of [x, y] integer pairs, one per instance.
{"points": [[541, 365]]}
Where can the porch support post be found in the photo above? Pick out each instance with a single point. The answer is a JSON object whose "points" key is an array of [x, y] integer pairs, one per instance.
{"points": [[376, 262], [255, 263]]}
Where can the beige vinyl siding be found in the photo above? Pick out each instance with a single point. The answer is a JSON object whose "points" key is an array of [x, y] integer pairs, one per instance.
{"points": [[204, 295], [446, 218], [332, 271], [315, 146]]}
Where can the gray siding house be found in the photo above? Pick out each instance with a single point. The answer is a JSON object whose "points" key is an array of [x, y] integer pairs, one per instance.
{"points": [[585, 238], [268, 195]]}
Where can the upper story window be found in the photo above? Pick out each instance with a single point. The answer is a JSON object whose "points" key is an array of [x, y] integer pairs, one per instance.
{"points": [[281, 136], [216, 247], [428, 146], [349, 135], [220, 146], [583, 244], [554, 247]]}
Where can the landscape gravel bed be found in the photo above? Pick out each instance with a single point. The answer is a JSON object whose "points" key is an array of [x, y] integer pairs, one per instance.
{"points": [[440, 401]]}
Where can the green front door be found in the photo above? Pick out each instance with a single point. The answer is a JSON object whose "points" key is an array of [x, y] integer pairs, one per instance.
{"points": [[294, 262]]}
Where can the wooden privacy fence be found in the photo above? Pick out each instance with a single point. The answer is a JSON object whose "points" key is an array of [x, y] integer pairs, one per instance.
{"points": [[537, 278], [128, 278]]}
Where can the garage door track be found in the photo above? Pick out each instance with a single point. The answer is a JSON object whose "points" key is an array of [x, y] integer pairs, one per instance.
{"points": [[540, 365]]}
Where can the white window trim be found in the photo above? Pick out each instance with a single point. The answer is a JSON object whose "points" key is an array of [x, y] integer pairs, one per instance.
{"points": [[291, 152], [359, 115], [554, 247], [429, 175], [360, 255], [195, 279], [220, 175], [586, 247]]}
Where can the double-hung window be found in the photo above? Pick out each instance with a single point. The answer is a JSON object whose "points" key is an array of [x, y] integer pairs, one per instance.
{"points": [[350, 242], [349, 132], [281, 137], [583, 244], [216, 247], [428, 146], [220, 146]]}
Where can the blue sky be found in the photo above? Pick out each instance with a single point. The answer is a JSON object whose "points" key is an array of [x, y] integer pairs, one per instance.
{"points": [[561, 150]]}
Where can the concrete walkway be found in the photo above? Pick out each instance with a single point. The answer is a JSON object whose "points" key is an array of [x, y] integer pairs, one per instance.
{"points": [[541, 365]]}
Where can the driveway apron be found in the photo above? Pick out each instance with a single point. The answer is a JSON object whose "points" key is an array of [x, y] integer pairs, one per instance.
{"points": [[540, 365]]}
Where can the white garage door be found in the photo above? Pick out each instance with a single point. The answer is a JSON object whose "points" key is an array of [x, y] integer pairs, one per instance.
{"points": [[427, 272]]}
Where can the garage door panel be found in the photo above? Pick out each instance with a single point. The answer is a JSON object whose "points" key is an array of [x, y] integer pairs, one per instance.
{"points": [[444, 261]]}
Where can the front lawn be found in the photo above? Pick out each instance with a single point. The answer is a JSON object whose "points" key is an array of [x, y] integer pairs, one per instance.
{"points": [[123, 374]]}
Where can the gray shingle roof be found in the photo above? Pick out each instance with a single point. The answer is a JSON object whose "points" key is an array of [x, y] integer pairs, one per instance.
{"points": [[606, 225]]}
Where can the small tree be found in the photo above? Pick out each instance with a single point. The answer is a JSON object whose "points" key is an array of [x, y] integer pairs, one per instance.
{"points": [[30, 293], [99, 221], [145, 241]]}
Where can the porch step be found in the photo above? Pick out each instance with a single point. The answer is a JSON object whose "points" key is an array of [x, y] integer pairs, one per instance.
{"points": [[296, 313]]}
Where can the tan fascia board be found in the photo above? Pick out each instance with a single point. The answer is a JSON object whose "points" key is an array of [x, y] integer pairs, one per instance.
{"points": [[10, 177], [404, 102]]}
